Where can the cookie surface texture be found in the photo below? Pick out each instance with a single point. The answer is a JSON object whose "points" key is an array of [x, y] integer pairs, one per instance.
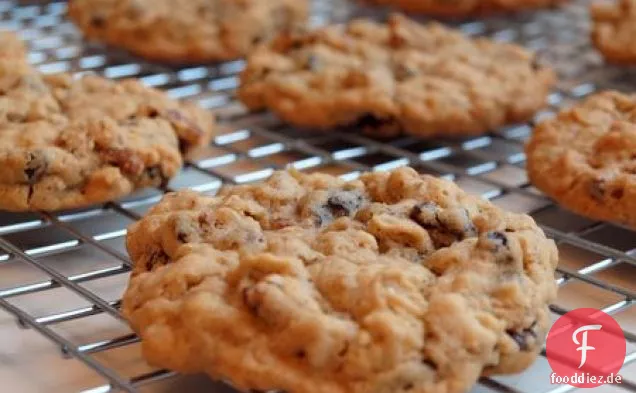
{"points": [[460, 8], [11, 46], [585, 158], [187, 31], [68, 142], [614, 27], [427, 80], [397, 282]]}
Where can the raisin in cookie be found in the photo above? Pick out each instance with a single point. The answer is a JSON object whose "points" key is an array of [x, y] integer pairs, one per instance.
{"points": [[614, 30], [585, 158], [460, 8], [401, 76], [184, 31], [67, 142], [396, 282]]}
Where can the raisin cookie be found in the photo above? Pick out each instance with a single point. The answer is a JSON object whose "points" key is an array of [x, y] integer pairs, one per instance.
{"points": [[400, 76], [585, 158], [67, 142], [614, 30], [186, 31], [397, 282], [461, 8]]}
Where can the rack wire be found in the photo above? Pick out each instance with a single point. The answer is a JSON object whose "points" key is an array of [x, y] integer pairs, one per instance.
{"points": [[78, 257]]}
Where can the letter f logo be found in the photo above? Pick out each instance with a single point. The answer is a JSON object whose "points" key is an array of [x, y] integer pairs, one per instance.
{"points": [[583, 346]]}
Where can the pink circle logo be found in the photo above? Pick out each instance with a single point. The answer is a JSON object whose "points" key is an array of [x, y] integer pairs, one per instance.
{"points": [[585, 348]]}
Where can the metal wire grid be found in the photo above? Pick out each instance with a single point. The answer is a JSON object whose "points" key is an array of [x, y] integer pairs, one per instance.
{"points": [[42, 253]]}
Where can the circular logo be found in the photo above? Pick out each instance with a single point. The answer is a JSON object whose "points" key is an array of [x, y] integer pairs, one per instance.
{"points": [[585, 348]]}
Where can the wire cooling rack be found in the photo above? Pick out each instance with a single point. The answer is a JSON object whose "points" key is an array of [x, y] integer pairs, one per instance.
{"points": [[61, 274]]}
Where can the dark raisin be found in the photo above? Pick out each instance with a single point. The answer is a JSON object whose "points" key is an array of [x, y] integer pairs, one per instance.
{"points": [[376, 126], [15, 117], [597, 189], [373, 121], [301, 354], [425, 214], [182, 237], [265, 71], [256, 40], [445, 226], [429, 363], [35, 167], [618, 193], [344, 203], [522, 337], [408, 386], [337, 209], [339, 204], [154, 173], [344, 349], [496, 240], [536, 64], [296, 44], [205, 218], [497, 243], [184, 145], [98, 21], [30, 194], [157, 258]]}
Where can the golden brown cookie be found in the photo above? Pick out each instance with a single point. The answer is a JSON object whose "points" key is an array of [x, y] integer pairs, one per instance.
{"points": [[68, 142], [187, 31], [427, 80], [394, 283], [614, 29], [585, 158]]}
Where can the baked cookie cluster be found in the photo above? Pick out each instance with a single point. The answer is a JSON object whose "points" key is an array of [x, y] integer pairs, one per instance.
{"points": [[396, 282]]}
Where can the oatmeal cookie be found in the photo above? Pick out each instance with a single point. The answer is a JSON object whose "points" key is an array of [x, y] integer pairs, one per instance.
{"points": [[187, 31], [397, 282], [427, 80], [585, 158], [67, 142], [614, 29]]}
